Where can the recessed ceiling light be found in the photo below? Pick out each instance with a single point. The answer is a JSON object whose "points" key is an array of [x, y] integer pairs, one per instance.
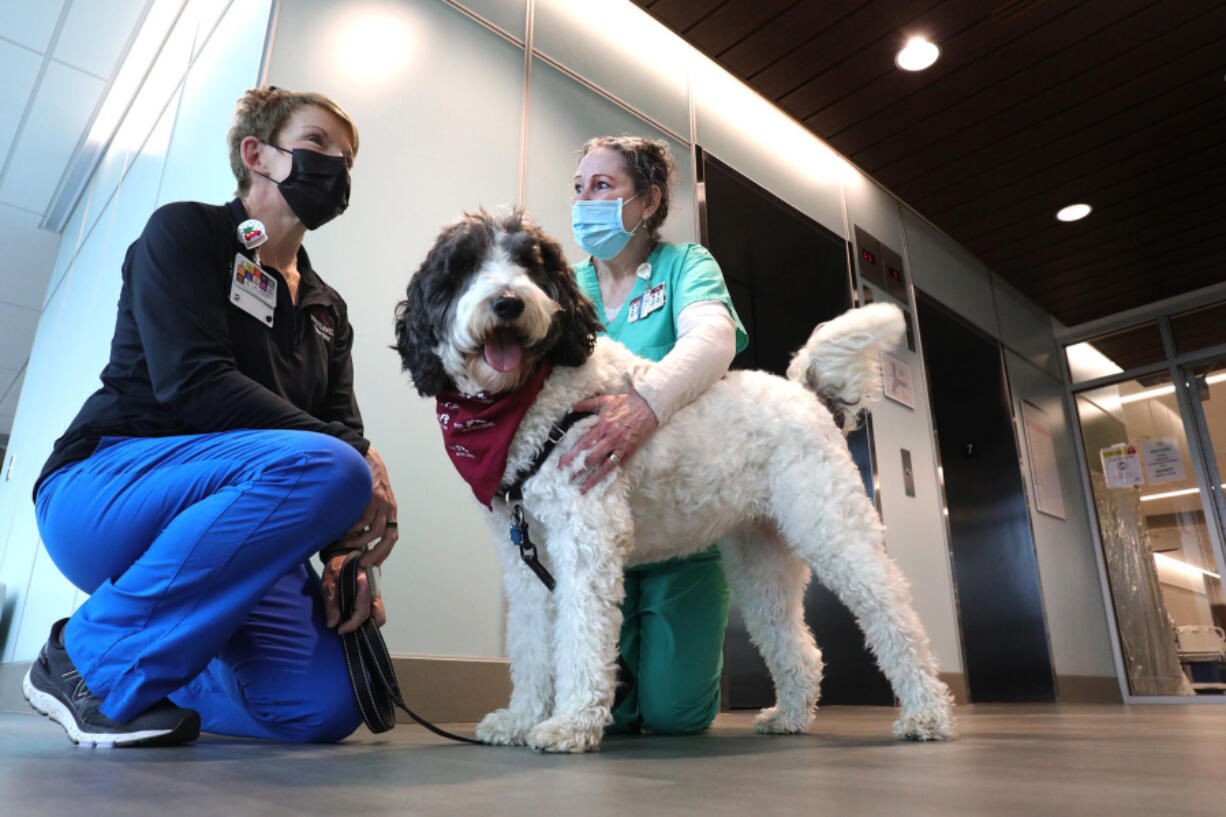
{"points": [[917, 55], [1074, 212]]}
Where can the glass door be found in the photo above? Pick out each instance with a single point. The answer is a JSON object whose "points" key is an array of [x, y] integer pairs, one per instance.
{"points": [[1160, 532], [1200, 620]]}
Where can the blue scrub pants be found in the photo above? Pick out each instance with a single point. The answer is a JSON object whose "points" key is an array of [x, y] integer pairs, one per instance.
{"points": [[195, 550]]}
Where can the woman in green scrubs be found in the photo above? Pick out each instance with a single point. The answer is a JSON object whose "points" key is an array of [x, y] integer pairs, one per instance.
{"points": [[669, 303]]}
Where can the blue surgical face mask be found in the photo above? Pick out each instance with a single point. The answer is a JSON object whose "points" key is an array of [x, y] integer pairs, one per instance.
{"points": [[598, 227]]}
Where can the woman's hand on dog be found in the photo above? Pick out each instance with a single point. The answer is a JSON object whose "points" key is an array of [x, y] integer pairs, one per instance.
{"points": [[378, 521], [624, 423], [363, 608]]}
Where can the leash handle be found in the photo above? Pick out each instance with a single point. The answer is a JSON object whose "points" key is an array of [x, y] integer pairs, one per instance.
{"points": [[371, 673]]}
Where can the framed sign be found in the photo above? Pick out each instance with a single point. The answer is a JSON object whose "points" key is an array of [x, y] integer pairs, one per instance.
{"points": [[1041, 453], [896, 381]]}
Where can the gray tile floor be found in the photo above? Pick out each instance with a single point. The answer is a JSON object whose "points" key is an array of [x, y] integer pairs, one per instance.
{"points": [[1011, 760]]}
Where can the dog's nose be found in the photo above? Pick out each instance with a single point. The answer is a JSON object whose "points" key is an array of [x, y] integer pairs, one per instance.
{"points": [[508, 307]]}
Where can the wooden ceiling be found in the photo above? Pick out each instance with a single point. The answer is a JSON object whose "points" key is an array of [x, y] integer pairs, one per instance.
{"points": [[1033, 105]]}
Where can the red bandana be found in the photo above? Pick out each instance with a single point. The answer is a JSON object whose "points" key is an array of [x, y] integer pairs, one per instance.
{"points": [[477, 431]]}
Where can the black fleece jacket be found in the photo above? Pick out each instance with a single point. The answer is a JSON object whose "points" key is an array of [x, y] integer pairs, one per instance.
{"points": [[186, 360]]}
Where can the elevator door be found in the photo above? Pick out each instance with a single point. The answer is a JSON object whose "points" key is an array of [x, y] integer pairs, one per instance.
{"points": [[786, 274], [1004, 636]]}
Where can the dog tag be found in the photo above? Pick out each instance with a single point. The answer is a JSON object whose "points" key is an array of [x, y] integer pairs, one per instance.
{"points": [[527, 550], [253, 290]]}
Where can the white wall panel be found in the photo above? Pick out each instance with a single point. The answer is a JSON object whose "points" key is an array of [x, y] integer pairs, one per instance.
{"points": [[71, 238], [19, 68], [96, 32], [563, 115], [1068, 570], [949, 273], [30, 24], [198, 160], [28, 255], [743, 130], [622, 49], [439, 135], [202, 17], [20, 322], [509, 15], [73, 338], [65, 101], [8, 400], [29, 445]]}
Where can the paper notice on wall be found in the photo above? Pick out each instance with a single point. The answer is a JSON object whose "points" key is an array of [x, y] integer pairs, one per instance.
{"points": [[1044, 470], [1163, 460], [1122, 465], [896, 380]]}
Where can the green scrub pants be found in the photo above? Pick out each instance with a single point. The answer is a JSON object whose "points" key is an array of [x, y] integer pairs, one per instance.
{"points": [[672, 641]]}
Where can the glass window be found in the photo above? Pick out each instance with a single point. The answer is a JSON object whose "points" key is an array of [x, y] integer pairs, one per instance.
{"points": [[1115, 352]]}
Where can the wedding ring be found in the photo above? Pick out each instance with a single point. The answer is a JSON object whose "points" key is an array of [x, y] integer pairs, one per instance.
{"points": [[613, 458], [392, 525]]}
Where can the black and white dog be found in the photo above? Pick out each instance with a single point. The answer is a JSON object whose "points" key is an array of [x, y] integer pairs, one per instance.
{"points": [[493, 302]]}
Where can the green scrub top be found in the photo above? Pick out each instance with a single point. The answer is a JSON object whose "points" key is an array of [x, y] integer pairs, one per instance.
{"points": [[680, 275]]}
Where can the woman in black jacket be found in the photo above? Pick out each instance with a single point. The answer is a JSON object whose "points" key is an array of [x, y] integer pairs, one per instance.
{"points": [[224, 449]]}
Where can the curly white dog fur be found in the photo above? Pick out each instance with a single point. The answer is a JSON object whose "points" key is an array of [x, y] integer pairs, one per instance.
{"points": [[780, 492]]}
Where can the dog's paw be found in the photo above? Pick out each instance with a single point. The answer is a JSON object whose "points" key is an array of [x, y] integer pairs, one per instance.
{"points": [[504, 727], [565, 734], [931, 724], [771, 721]]}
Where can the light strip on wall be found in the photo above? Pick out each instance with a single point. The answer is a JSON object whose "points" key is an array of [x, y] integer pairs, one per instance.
{"points": [[1183, 567], [159, 19]]}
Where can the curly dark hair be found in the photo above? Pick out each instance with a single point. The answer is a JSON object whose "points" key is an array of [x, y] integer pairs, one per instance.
{"points": [[649, 162]]}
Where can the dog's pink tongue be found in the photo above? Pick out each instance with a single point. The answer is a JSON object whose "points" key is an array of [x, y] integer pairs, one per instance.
{"points": [[503, 353]]}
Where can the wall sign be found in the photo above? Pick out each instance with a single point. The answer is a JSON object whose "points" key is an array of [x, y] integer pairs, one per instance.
{"points": [[896, 380], [1044, 469], [1121, 465], [1163, 460]]}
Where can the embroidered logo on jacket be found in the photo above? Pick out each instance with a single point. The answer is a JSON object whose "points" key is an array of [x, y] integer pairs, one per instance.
{"points": [[323, 324]]}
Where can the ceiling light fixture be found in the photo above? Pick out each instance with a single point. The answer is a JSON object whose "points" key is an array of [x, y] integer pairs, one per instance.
{"points": [[917, 55], [1074, 212]]}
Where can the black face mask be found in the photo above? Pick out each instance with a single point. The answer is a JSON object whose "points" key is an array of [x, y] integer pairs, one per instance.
{"points": [[317, 187]]}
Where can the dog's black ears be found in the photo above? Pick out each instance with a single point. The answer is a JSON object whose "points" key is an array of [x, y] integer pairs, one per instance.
{"points": [[414, 342], [415, 339]]}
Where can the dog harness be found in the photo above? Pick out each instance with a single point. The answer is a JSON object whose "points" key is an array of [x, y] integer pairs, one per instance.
{"points": [[513, 494]]}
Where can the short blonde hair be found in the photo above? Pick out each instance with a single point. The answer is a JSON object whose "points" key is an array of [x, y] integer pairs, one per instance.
{"points": [[262, 112]]}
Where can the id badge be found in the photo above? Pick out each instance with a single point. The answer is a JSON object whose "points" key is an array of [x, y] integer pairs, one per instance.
{"points": [[253, 290], [653, 299], [636, 306]]}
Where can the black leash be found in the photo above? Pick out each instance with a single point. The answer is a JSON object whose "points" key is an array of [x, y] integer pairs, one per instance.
{"points": [[370, 667], [513, 495]]}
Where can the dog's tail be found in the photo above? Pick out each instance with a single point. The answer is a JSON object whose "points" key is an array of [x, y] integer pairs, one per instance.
{"points": [[840, 364]]}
